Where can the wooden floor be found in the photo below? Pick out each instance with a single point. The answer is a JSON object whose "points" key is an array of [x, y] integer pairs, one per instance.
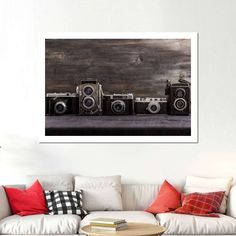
{"points": [[158, 125]]}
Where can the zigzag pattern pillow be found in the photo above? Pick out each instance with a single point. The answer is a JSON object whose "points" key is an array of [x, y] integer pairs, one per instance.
{"points": [[64, 202]]}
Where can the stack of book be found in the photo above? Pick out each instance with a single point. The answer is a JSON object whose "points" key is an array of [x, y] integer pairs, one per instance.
{"points": [[109, 224]]}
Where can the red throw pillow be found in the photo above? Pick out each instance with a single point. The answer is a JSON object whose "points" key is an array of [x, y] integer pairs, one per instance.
{"points": [[168, 199], [201, 204], [27, 202]]}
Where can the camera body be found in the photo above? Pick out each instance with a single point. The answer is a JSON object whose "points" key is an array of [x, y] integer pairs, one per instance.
{"points": [[118, 104], [90, 97], [148, 105], [61, 103], [179, 98]]}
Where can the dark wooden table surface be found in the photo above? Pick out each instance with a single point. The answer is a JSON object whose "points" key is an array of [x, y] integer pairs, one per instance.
{"points": [[158, 125]]}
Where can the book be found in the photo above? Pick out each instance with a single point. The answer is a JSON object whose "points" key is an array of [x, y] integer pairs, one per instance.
{"points": [[110, 228], [107, 225], [107, 221]]}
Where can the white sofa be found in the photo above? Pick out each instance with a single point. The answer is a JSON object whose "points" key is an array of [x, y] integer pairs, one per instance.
{"points": [[135, 198]]}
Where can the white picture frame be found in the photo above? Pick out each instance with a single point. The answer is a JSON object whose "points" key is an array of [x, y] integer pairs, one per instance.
{"points": [[193, 138]]}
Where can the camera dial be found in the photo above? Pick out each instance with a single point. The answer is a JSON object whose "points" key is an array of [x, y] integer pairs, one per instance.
{"points": [[180, 104], [118, 106], [88, 102], [60, 107], [154, 107], [88, 90]]}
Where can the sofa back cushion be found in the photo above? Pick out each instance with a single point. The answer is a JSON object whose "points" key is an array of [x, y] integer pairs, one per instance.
{"points": [[207, 185], [100, 193], [137, 197], [231, 204], [52, 182]]}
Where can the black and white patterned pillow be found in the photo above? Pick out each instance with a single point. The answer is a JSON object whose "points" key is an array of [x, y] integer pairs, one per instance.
{"points": [[64, 202]]}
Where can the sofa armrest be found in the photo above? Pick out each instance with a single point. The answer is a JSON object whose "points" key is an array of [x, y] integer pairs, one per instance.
{"points": [[231, 207], [5, 209]]}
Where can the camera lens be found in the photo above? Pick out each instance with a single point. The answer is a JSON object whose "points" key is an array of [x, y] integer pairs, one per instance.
{"points": [[179, 93], [154, 107], [118, 106], [60, 107], [88, 102], [180, 104], [88, 90]]}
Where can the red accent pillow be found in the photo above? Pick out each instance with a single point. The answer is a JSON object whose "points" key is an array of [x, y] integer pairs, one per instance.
{"points": [[201, 204], [168, 199], [27, 202]]}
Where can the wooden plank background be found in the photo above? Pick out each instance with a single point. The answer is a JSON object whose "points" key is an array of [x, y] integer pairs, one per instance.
{"points": [[139, 66]]}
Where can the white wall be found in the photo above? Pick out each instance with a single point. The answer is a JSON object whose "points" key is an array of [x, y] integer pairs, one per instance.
{"points": [[215, 155]]}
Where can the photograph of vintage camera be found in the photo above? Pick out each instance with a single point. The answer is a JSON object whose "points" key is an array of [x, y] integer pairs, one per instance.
{"points": [[179, 97], [118, 87], [61, 103], [147, 105], [90, 97], [118, 104]]}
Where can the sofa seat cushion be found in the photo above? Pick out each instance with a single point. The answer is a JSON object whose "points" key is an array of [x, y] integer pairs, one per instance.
{"points": [[199, 225], [40, 224], [129, 216]]}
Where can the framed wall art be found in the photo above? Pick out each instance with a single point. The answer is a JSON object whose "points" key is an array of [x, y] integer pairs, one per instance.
{"points": [[119, 87]]}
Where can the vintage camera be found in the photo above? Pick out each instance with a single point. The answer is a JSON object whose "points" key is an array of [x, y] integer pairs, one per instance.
{"points": [[90, 97], [150, 105], [61, 103], [118, 104], [179, 97]]}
